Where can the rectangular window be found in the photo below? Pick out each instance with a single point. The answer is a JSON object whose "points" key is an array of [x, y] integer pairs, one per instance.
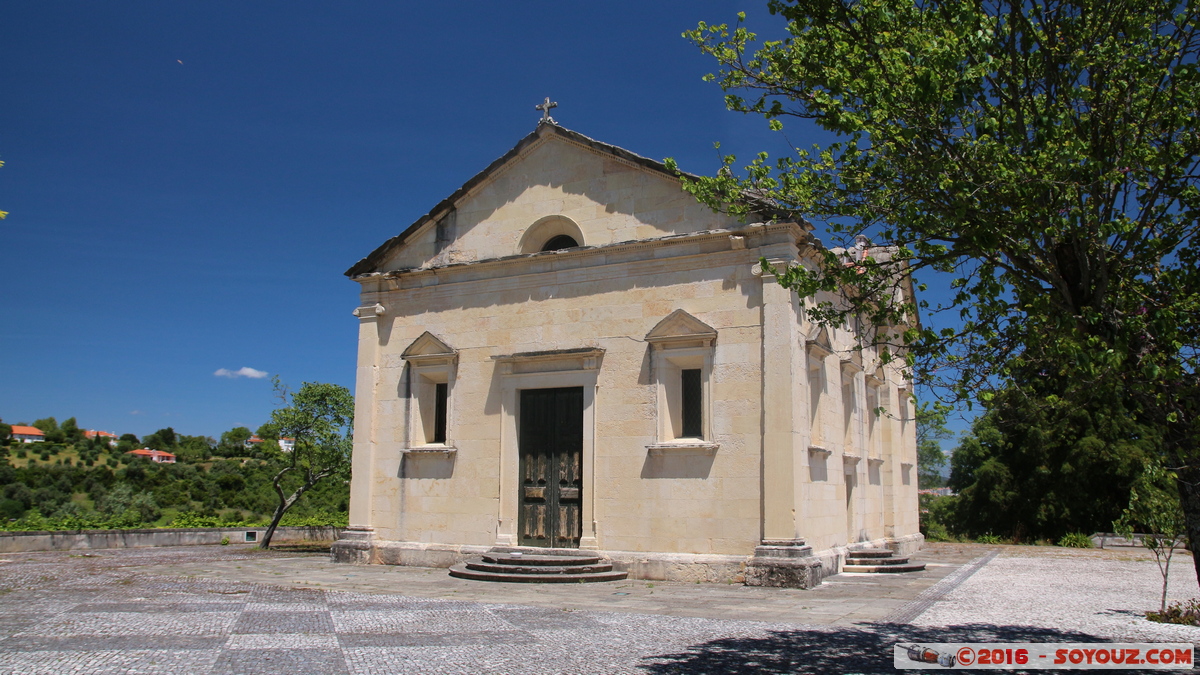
{"points": [[441, 398], [692, 404]]}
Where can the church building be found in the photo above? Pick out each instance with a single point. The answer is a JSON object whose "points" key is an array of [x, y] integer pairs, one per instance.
{"points": [[570, 352]]}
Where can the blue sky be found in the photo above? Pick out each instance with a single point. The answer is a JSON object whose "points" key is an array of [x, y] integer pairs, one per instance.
{"points": [[188, 181]]}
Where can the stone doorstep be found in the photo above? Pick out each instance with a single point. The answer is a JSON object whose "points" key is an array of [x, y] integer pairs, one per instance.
{"points": [[462, 571], [555, 560], [485, 566], [536, 551], [871, 553], [875, 561], [883, 569]]}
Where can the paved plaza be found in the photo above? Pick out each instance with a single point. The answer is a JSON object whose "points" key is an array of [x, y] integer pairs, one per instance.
{"points": [[233, 609]]}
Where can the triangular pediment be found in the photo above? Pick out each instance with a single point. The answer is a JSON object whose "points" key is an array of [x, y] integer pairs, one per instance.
{"points": [[614, 196], [680, 326], [428, 346], [821, 341]]}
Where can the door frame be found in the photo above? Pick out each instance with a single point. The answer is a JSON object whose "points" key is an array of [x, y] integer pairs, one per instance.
{"points": [[552, 492], [545, 370]]}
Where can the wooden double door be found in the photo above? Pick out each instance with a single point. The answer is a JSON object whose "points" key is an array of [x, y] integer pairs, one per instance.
{"points": [[551, 447]]}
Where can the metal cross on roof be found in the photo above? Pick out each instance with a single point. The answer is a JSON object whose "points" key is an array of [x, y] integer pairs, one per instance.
{"points": [[545, 107]]}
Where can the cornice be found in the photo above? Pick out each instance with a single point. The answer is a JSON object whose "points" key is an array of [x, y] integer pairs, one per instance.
{"points": [[584, 252]]}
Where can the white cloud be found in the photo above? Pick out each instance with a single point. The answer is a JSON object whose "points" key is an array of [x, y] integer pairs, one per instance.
{"points": [[241, 372]]}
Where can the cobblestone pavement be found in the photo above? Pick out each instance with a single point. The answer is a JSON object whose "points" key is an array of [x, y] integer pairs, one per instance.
{"points": [[236, 610]]}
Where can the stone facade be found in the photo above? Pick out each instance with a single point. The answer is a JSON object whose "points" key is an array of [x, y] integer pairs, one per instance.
{"points": [[462, 311]]}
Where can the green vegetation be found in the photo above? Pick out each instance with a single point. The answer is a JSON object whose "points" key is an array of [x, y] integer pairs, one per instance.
{"points": [[1075, 540], [1038, 465], [75, 483], [1043, 156], [1187, 612], [931, 431], [1154, 509], [320, 417]]}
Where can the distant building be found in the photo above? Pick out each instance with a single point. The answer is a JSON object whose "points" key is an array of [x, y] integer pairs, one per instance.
{"points": [[106, 435], [157, 456], [285, 444], [27, 434], [940, 492]]}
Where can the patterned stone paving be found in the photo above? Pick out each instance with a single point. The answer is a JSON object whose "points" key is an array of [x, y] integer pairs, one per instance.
{"points": [[123, 612]]}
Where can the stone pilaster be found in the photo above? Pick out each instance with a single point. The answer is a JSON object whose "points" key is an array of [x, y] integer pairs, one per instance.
{"points": [[783, 367], [782, 559], [355, 542]]}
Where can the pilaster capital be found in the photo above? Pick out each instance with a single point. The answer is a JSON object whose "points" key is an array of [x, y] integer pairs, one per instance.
{"points": [[369, 311], [778, 263]]}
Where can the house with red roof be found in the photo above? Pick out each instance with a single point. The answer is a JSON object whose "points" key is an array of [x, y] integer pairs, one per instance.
{"points": [[106, 435], [26, 434], [285, 444], [158, 456]]}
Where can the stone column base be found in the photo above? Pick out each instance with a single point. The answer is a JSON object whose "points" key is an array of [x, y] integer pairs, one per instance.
{"points": [[354, 546], [784, 564]]}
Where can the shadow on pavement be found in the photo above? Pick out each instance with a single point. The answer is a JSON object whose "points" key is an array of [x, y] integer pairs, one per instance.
{"points": [[865, 649]]}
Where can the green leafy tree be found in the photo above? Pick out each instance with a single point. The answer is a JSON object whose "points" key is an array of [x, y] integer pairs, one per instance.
{"points": [[71, 431], [49, 426], [321, 418], [233, 442], [931, 431], [1154, 509], [1043, 154], [196, 448], [1042, 466], [163, 439], [5, 433]]}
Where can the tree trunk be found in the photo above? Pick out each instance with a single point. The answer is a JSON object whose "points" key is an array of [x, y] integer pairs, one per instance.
{"points": [[266, 540], [286, 503]]}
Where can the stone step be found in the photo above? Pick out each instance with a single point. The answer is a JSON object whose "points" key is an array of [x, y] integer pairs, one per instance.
{"points": [[509, 558], [877, 561], [462, 572], [871, 553], [883, 569], [535, 550], [487, 566]]}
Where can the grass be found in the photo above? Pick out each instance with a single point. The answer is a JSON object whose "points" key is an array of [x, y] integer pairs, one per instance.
{"points": [[33, 453]]}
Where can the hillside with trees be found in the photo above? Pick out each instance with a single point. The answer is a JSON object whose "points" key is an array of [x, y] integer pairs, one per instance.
{"points": [[69, 481]]}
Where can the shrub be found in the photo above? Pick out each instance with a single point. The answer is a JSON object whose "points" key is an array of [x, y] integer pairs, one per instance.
{"points": [[1187, 612], [320, 519], [195, 519], [1075, 540], [937, 517], [988, 538]]}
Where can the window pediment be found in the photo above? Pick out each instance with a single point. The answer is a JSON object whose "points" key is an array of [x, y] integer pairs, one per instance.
{"points": [[821, 344], [680, 329], [428, 348]]}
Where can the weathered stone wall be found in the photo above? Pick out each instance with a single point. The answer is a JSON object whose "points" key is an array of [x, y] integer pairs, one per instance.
{"points": [[21, 542]]}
